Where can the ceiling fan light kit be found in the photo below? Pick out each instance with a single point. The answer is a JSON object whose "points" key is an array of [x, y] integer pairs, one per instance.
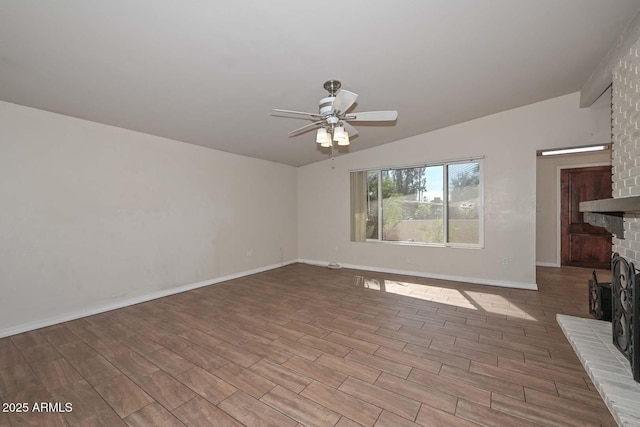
{"points": [[322, 136], [344, 140], [332, 120]]}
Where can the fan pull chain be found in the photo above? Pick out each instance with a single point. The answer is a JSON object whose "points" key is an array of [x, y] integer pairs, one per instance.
{"points": [[333, 158]]}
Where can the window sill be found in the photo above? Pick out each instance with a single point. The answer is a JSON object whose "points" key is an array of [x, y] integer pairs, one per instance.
{"points": [[421, 244]]}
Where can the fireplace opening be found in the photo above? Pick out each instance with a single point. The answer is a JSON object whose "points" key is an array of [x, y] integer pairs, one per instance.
{"points": [[599, 298]]}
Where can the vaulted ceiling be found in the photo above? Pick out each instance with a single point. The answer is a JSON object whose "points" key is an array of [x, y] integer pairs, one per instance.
{"points": [[209, 72]]}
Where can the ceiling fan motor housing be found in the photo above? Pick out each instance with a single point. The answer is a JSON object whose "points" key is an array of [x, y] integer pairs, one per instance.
{"points": [[326, 105]]}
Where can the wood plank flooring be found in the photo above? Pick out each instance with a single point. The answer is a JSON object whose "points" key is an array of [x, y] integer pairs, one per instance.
{"points": [[304, 345]]}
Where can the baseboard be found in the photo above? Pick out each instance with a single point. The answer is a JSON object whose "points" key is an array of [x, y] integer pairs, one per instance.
{"points": [[475, 280], [25, 327], [547, 264]]}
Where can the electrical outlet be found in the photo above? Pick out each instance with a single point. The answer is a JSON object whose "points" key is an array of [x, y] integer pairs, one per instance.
{"points": [[248, 253], [408, 260], [505, 261]]}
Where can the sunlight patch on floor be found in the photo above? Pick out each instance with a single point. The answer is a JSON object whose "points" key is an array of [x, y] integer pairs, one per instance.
{"points": [[496, 304], [473, 300]]}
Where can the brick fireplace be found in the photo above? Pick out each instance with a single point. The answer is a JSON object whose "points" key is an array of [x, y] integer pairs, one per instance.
{"points": [[625, 123], [605, 358]]}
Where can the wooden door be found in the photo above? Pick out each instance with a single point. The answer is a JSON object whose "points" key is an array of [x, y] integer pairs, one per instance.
{"points": [[582, 244]]}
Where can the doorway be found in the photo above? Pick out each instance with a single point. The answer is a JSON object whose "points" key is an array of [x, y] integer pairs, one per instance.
{"points": [[582, 244]]}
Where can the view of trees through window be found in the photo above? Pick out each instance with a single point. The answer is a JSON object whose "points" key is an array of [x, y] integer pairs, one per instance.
{"points": [[428, 204]]}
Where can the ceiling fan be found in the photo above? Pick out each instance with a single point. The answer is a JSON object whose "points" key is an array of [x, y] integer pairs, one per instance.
{"points": [[332, 121]]}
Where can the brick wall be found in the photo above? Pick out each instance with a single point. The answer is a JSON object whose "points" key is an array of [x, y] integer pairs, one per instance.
{"points": [[626, 146]]}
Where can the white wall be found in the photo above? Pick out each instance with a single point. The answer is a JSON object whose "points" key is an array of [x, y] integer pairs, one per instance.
{"points": [[93, 216], [547, 206], [509, 141]]}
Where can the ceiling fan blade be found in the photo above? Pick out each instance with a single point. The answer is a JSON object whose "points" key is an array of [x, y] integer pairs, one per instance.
{"points": [[305, 128], [297, 112], [372, 116], [344, 100], [350, 129]]}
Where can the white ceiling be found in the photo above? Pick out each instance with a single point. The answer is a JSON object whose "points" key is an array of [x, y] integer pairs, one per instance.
{"points": [[209, 72]]}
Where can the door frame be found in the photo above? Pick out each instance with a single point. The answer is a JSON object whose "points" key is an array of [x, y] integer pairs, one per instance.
{"points": [[559, 203]]}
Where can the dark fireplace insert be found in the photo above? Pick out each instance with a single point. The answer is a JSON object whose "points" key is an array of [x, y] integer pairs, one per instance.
{"points": [[599, 298]]}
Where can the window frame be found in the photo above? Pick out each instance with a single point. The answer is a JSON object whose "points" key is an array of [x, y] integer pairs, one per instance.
{"points": [[445, 203]]}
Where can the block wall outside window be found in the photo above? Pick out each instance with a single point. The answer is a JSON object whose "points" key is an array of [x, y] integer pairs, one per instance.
{"points": [[626, 146]]}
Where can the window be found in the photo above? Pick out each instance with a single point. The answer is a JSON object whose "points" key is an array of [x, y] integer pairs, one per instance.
{"points": [[430, 204]]}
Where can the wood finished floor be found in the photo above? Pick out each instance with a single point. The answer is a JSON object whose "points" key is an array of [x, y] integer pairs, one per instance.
{"points": [[304, 345]]}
